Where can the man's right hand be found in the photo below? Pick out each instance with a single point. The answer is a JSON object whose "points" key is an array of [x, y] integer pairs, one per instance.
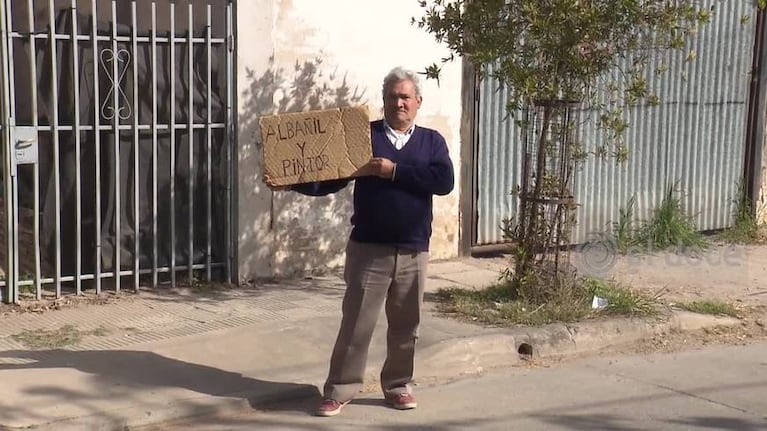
{"points": [[270, 183]]}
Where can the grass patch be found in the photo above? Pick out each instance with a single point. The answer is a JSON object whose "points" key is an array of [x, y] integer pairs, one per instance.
{"points": [[496, 304], [620, 299], [99, 332], [746, 229], [623, 229], [669, 227], [716, 308], [67, 335], [27, 289]]}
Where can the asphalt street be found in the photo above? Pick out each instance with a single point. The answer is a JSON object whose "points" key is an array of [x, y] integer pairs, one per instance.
{"points": [[715, 388]]}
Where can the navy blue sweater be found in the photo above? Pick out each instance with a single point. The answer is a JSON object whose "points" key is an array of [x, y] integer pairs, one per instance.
{"points": [[397, 212]]}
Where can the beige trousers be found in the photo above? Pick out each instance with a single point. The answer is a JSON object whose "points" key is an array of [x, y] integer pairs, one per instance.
{"points": [[376, 274]]}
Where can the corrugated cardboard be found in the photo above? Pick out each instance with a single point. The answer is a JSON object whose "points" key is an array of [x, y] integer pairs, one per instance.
{"points": [[316, 145]]}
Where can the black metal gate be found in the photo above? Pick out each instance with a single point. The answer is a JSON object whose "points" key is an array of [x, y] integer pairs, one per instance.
{"points": [[117, 144]]}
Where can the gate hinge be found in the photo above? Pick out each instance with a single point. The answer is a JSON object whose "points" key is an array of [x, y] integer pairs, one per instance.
{"points": [[230, 43]]}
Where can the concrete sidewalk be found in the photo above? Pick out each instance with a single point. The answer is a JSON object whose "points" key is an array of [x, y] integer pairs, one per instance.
{"points": [[163, 355]]}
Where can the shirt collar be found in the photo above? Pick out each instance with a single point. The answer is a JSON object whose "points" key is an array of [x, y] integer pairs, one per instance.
{"points": [[391, 130]]}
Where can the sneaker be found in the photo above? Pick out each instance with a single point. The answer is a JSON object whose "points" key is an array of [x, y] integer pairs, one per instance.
{"points": [[330, 407], [402, 401]]}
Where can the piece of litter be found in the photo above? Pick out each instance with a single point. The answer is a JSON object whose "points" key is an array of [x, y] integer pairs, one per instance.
{"points": [[598, 303]]}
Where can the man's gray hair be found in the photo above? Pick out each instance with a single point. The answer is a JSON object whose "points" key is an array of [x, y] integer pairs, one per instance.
{"points": [[399, 74]]}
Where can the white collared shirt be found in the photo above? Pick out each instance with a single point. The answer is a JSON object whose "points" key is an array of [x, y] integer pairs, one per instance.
{"points": [[398, 139]]}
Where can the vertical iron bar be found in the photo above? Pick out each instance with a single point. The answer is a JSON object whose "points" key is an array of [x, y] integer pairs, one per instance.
{"points": [[36, 166], [14, 220], [13, 199], [228, 142], [11, 295], [136, 227], [76, 131], [55, 132], [154, 144], [172, 145], [190, 130], [116, 122], [96, 143], [208, 149]]}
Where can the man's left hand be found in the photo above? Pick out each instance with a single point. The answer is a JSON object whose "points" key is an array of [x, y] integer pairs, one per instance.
{"points": [[377, 166]]}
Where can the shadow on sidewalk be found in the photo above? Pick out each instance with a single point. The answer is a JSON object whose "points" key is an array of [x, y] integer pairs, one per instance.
{"points": [[327, 287], [125, 371]]}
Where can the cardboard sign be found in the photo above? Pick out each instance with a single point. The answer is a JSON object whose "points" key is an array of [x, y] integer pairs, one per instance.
{"points": [[316, 145]]}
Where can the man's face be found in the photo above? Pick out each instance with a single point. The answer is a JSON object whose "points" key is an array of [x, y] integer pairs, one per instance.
{"points": [[401, 104]]}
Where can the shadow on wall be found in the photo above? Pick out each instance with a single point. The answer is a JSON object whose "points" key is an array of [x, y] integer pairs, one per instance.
{"points": [[295, 234]]}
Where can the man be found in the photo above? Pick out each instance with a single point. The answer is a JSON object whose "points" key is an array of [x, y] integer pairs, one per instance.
{"points": [[387, 253]]}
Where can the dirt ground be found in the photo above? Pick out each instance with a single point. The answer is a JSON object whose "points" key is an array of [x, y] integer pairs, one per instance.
{"points": [[735, 274], [753, 327], [41, 306]]}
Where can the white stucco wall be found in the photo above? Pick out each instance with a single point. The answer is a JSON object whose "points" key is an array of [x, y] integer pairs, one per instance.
{"points": [[296, 55]]}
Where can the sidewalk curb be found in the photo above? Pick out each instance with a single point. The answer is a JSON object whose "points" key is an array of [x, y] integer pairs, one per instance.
{"points": [[448, 359], [472, 355]]}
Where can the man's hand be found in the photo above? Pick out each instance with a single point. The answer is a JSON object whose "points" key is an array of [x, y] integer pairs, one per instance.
{"points": [[376, 167], [270, 183]]}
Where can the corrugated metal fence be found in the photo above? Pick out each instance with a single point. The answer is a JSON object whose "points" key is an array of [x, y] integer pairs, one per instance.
{"points": [[696, 137], [117, 143]]}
